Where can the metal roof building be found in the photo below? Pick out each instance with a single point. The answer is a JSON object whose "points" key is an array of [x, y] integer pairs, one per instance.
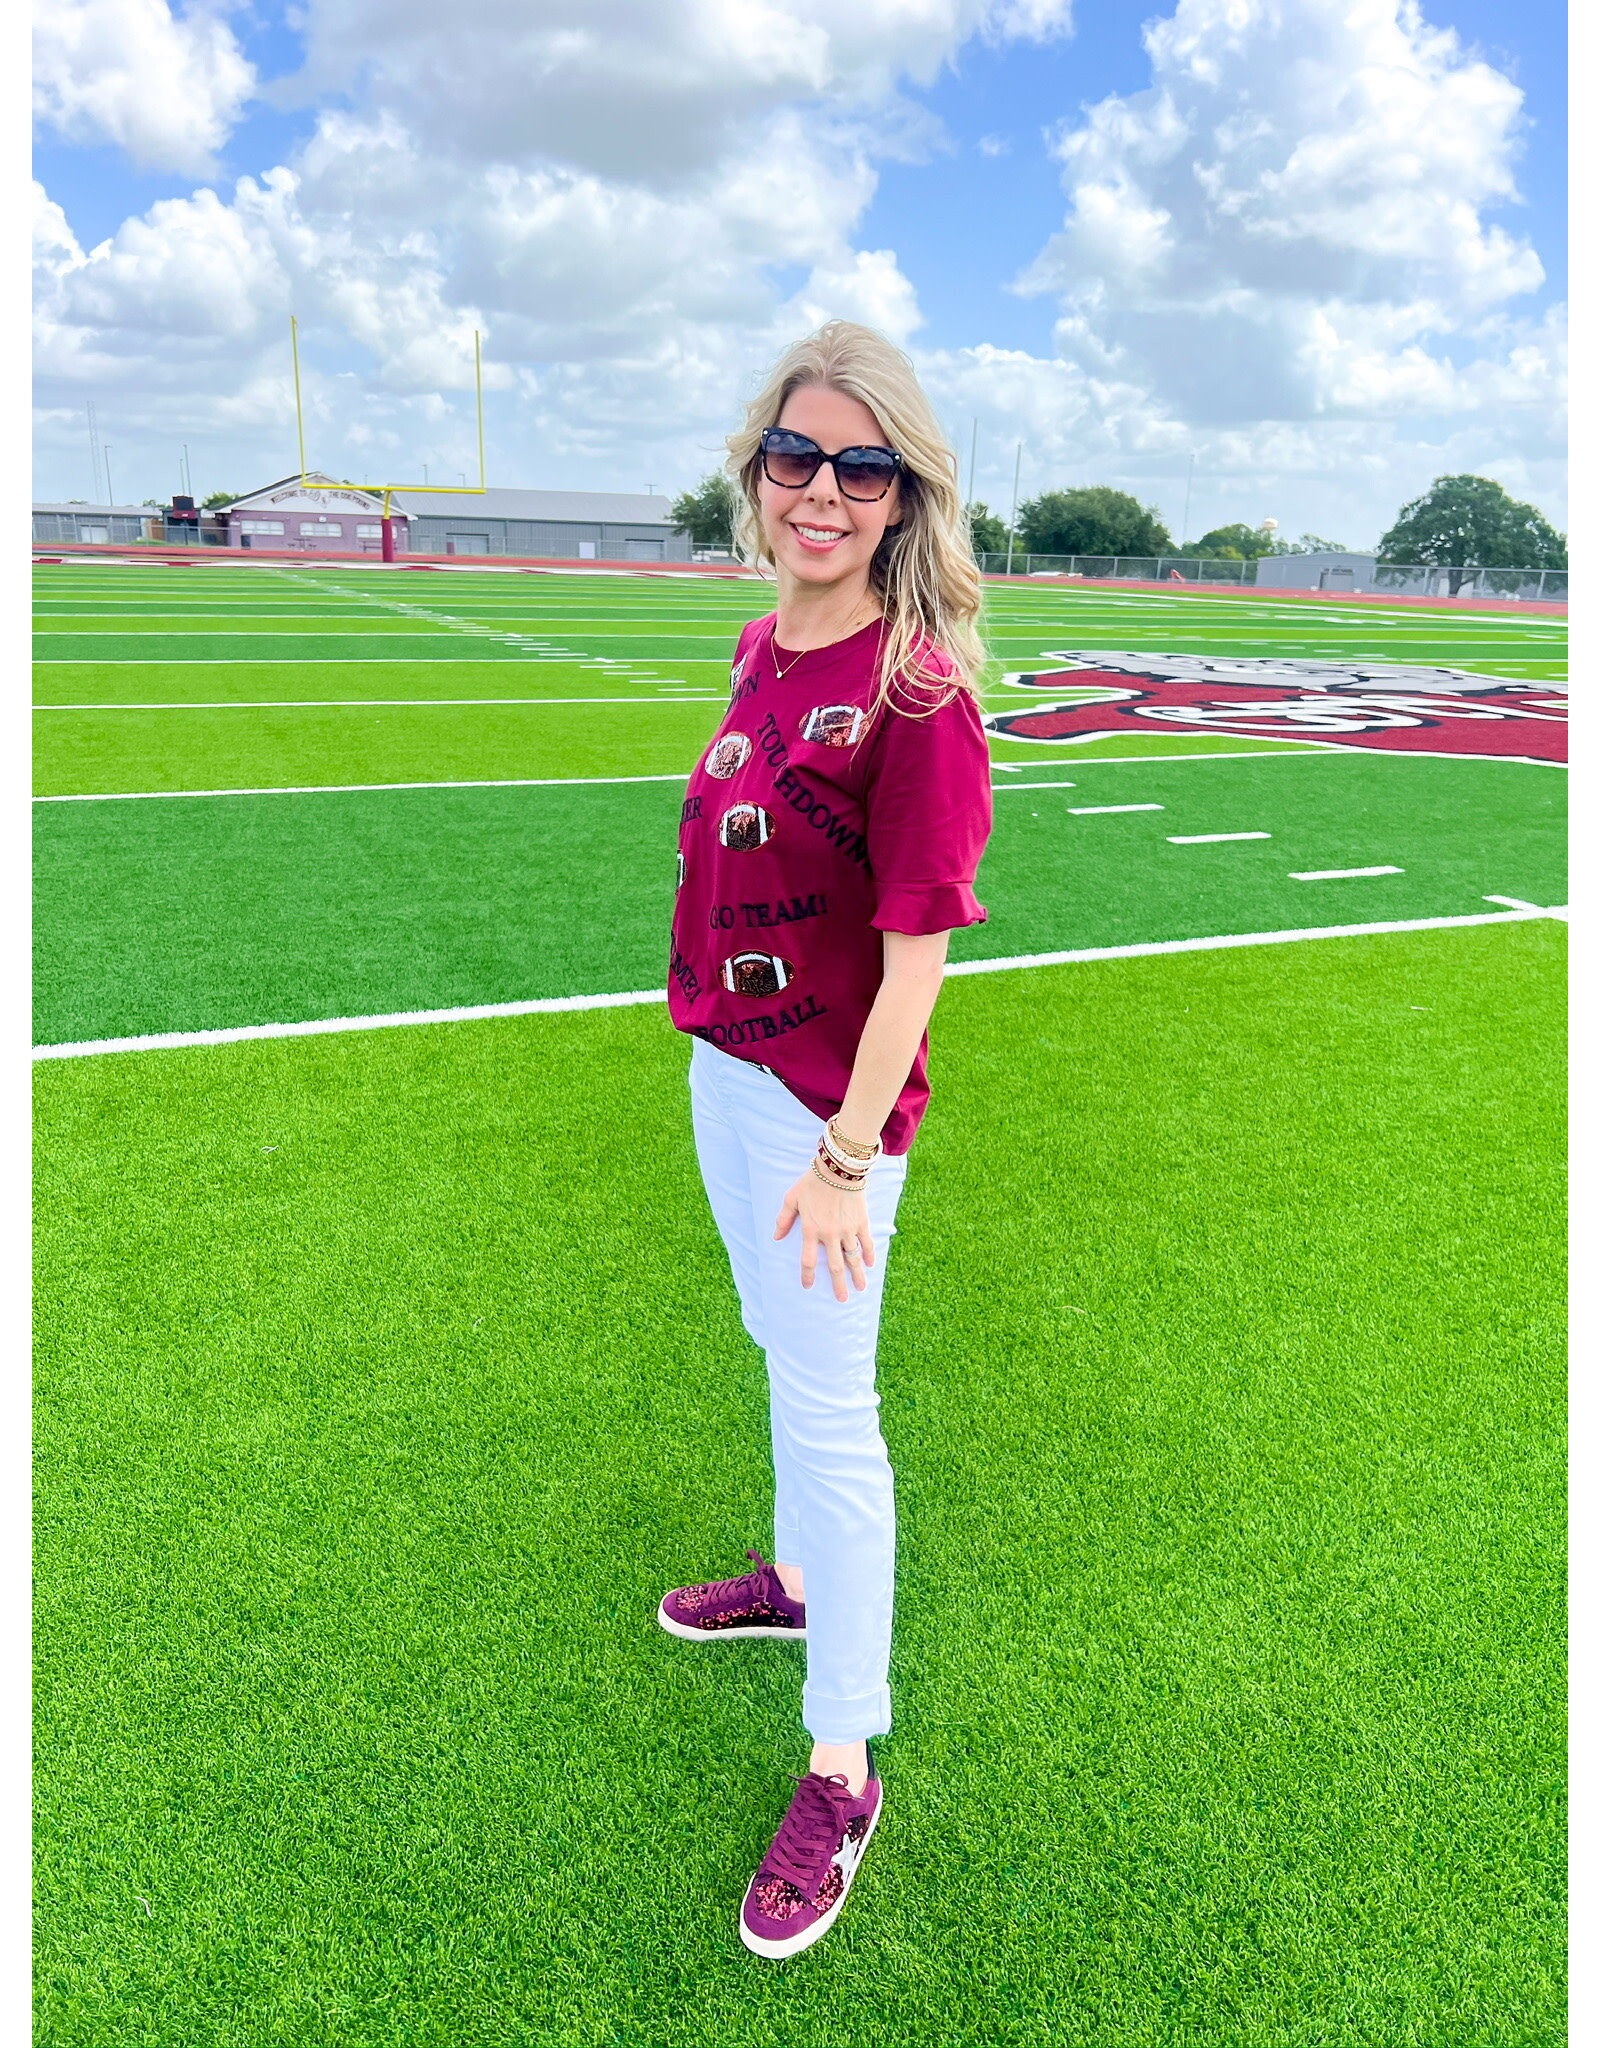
{"points": [[1330, 569], [595, 526], [320, 514]]}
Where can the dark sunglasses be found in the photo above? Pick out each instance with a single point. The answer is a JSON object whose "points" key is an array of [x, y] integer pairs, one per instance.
{"points": [[791, 460]]}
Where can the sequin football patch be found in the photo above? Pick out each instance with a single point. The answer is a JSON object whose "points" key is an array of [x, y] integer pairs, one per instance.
{"points": [[744, 827], [728, 755], [756, 974], [833, 725]]}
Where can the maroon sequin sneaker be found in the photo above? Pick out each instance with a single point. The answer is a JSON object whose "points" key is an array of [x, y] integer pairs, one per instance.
{"points": [[754, 1605], [797, 1894]]}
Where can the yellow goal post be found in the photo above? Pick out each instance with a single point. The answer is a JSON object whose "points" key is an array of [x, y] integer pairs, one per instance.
{"points": [[476, 490]]}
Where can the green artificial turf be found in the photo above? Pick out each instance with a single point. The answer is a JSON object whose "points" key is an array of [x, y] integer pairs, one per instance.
{"points": [[387, 1379], [251, 684], [369, 743], [178, 915]]}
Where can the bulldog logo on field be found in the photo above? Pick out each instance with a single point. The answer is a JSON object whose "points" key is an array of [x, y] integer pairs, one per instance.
{"points": [[1394, 707]]}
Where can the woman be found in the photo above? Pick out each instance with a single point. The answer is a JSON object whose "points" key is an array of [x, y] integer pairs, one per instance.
{"points": [[829, 841]]}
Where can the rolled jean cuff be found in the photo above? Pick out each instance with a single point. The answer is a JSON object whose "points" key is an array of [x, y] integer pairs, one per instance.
{"points": [[835, 1720]]}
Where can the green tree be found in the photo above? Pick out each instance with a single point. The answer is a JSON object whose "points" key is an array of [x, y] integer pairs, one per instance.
{"points": [[1236, 543], [1471, 522], [1093, 520], [1308, 544], [707, 513], [988, 533], [218, 498]]}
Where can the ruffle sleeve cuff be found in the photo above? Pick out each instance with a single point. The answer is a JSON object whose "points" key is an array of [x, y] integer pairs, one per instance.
{"points": [[936, 907]]}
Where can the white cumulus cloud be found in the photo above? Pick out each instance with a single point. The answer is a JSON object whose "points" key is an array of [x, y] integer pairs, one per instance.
{"points": [[634, 87], [1286, 221], [166, 87]]}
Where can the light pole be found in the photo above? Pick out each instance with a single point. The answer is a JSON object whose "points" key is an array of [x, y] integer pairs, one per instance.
{"points": [[1188, 489], [1011, 530], [94, 448], [111, 496]]}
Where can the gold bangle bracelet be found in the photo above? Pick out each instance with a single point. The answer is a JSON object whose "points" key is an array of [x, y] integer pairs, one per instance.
{"points": [[851, 1147]]}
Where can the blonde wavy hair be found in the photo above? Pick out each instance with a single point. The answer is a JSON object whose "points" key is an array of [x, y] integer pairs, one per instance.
{"points": [[923, 573]]}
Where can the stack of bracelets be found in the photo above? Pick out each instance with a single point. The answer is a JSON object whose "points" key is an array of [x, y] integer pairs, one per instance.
{"points": [[841, 1162]]}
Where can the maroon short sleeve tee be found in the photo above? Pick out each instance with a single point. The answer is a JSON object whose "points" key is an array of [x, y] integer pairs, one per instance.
{"points": [[807, 832]]}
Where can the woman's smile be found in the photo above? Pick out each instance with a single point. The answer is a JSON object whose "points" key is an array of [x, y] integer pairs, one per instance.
{"points": [[818, 539]]}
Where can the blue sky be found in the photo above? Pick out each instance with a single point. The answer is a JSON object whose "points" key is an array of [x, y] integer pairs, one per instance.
{"points": [[637, 232]]}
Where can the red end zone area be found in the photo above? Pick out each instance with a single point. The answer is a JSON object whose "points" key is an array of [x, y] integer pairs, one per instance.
{"points": [[1391, 708]]}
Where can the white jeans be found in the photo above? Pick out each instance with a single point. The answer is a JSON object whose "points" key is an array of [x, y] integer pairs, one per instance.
{"points": [[833, 1511]]}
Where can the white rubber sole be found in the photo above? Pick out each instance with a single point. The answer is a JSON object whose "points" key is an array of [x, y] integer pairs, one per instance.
{"points": [[712, 1635], [758, 1943]]}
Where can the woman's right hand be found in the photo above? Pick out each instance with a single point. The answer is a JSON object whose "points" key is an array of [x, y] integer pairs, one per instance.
{"points": [[834, 1222]]}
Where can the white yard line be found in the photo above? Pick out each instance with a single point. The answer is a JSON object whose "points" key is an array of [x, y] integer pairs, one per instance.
{"points": [[1516, 903], [1340, 874], [362, 703], [141, 796], [166, 1041], [1211, 838], [1105, 810], [1288, 749], [328, 660], [426, 630]]}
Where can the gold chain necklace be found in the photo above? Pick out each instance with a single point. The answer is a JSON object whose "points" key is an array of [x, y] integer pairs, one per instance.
{"points": [[780, 673]]}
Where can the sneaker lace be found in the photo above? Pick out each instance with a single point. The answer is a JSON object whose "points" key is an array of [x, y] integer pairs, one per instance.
{"points": [[730, 1589], [809, 1839]]}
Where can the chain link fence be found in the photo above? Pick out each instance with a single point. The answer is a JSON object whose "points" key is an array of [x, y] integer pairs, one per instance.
{"points": [[1400, 578]]}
